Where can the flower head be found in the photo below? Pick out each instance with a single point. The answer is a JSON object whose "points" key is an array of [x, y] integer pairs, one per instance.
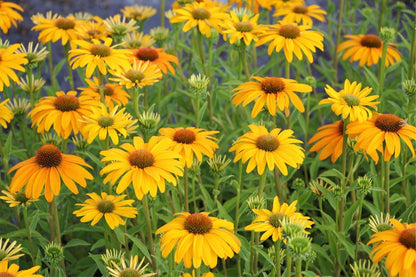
{"points": [[140, 75], [270, 222], [138, 13], [145, 165], [364, 268], [56, 28], [399, 246], [351, 102], [6, 114], [329, 139], [191, 141], [10, 61], [46, 170], [9, 252], [301, 14], [17, 198], [13, 270], [198, 238], [33, 55], [273, 92], [119, 26], [367, 49], [111, 207], [156, 56], [243, 28], [275, 148], [9, 15], [131, 269]]}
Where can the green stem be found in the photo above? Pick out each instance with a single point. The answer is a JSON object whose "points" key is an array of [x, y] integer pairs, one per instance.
{"points": [[162, 13], [197, 110], [185, 186], [145, 98], [216, 189], [238, 188], [252, 253], [57, 228], [193, 194], [68, 66], [288, 265], [382, 73], [383, 9], [412, 59], [224, 266], [337, 39], [100, 86], [244, 59], [287, 69], [360, 209], [277, 247], [298, 267], [262, 183], [29, 235], [50, 63], [149, 231], [126, 242], [386, 165], [136, 101]]}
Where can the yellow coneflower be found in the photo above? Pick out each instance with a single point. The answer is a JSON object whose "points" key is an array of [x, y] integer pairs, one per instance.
{"points": [[9, 252], [329, 139], [140, 75], [133, 268], [13, 270], [15, 199], [56, 28], [301, 14], [156, 56], [119, 26], [9, 14], [6, 114], [9, 61], [138, 13], [241, 26]]}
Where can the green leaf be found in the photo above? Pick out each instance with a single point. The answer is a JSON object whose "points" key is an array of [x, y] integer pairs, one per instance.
{"points": [[76, 242], [143, 248]]}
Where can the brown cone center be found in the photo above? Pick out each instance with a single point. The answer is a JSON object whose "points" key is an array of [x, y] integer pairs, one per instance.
{"points": [[408, 238], [275, 219], [184, 136], [100, 50], [200, 14], [105, 206], [267, 143], [108, 90], [244, 26], [66, 103], [135, 76], [48, 156], [147, 54], [289, 31], [65, 23], [389, 123], [141, 158], [198, 223], [300, 9], [272, 85], [371, 41]]}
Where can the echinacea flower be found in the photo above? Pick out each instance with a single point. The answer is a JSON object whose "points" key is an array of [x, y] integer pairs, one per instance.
{"points": [[6, 114], [46, 170], [9, 252], [272, 92], [10, 61], [9, 14], [111, 207], [351, 102], [13, 270], [329, 139], [98, 54], [242, 28], [145, 165], [141, 74], [138, 13], [270, 222], [198, 238], [156, 56], [136, 40], [199, 14], [275, 148], [64, 112], [190, 142], [15, 199], [92, 29], [367, 49], [399, 246], [114, 94], [301, 14], [133, 268], [383, 133], [56, 28], [293, 39], [119, 26]]}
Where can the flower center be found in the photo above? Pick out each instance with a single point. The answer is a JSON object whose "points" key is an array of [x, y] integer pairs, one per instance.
{"points": [[108, 90], [141, 158], [135, 76], [289, 31], [184, 136], [147, 54], [129, 272], [243, 26], [300, 9], [66, 103], [198, 223], [105, 121], [48, 155], [6, 274], [21, 198], [105, 206], [341, 127], [100, 50], [371, 41], [65, 23], [272, 85], [408, 238], [94, 33], [136, 15], [275, 219], [351, 100], [389, 123], [267, 143], [200, 14]]}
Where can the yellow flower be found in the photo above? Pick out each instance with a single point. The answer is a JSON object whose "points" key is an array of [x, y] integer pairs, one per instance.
{"points": [[277, 148], [367, 49], [189, 141], [329, 139], [270, 222], [156, 56], [114, 94], [133, 268], [92, 29], [245, 28], [136, 40], [140, 75], [98, 54], [10, 61], [11, 252], [293, 39], [13, 270], [17, 198], [46, 170], [138, 13], [383, 133], [145, 165], [272, 92], [285, 4], [351, 102], [198, 238], [111, 207], [301, 14], [203, 15], [6, 114], [103, 123], [119, 27], [56, 28], [9, 15], [399, 246], [64, 112]]}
